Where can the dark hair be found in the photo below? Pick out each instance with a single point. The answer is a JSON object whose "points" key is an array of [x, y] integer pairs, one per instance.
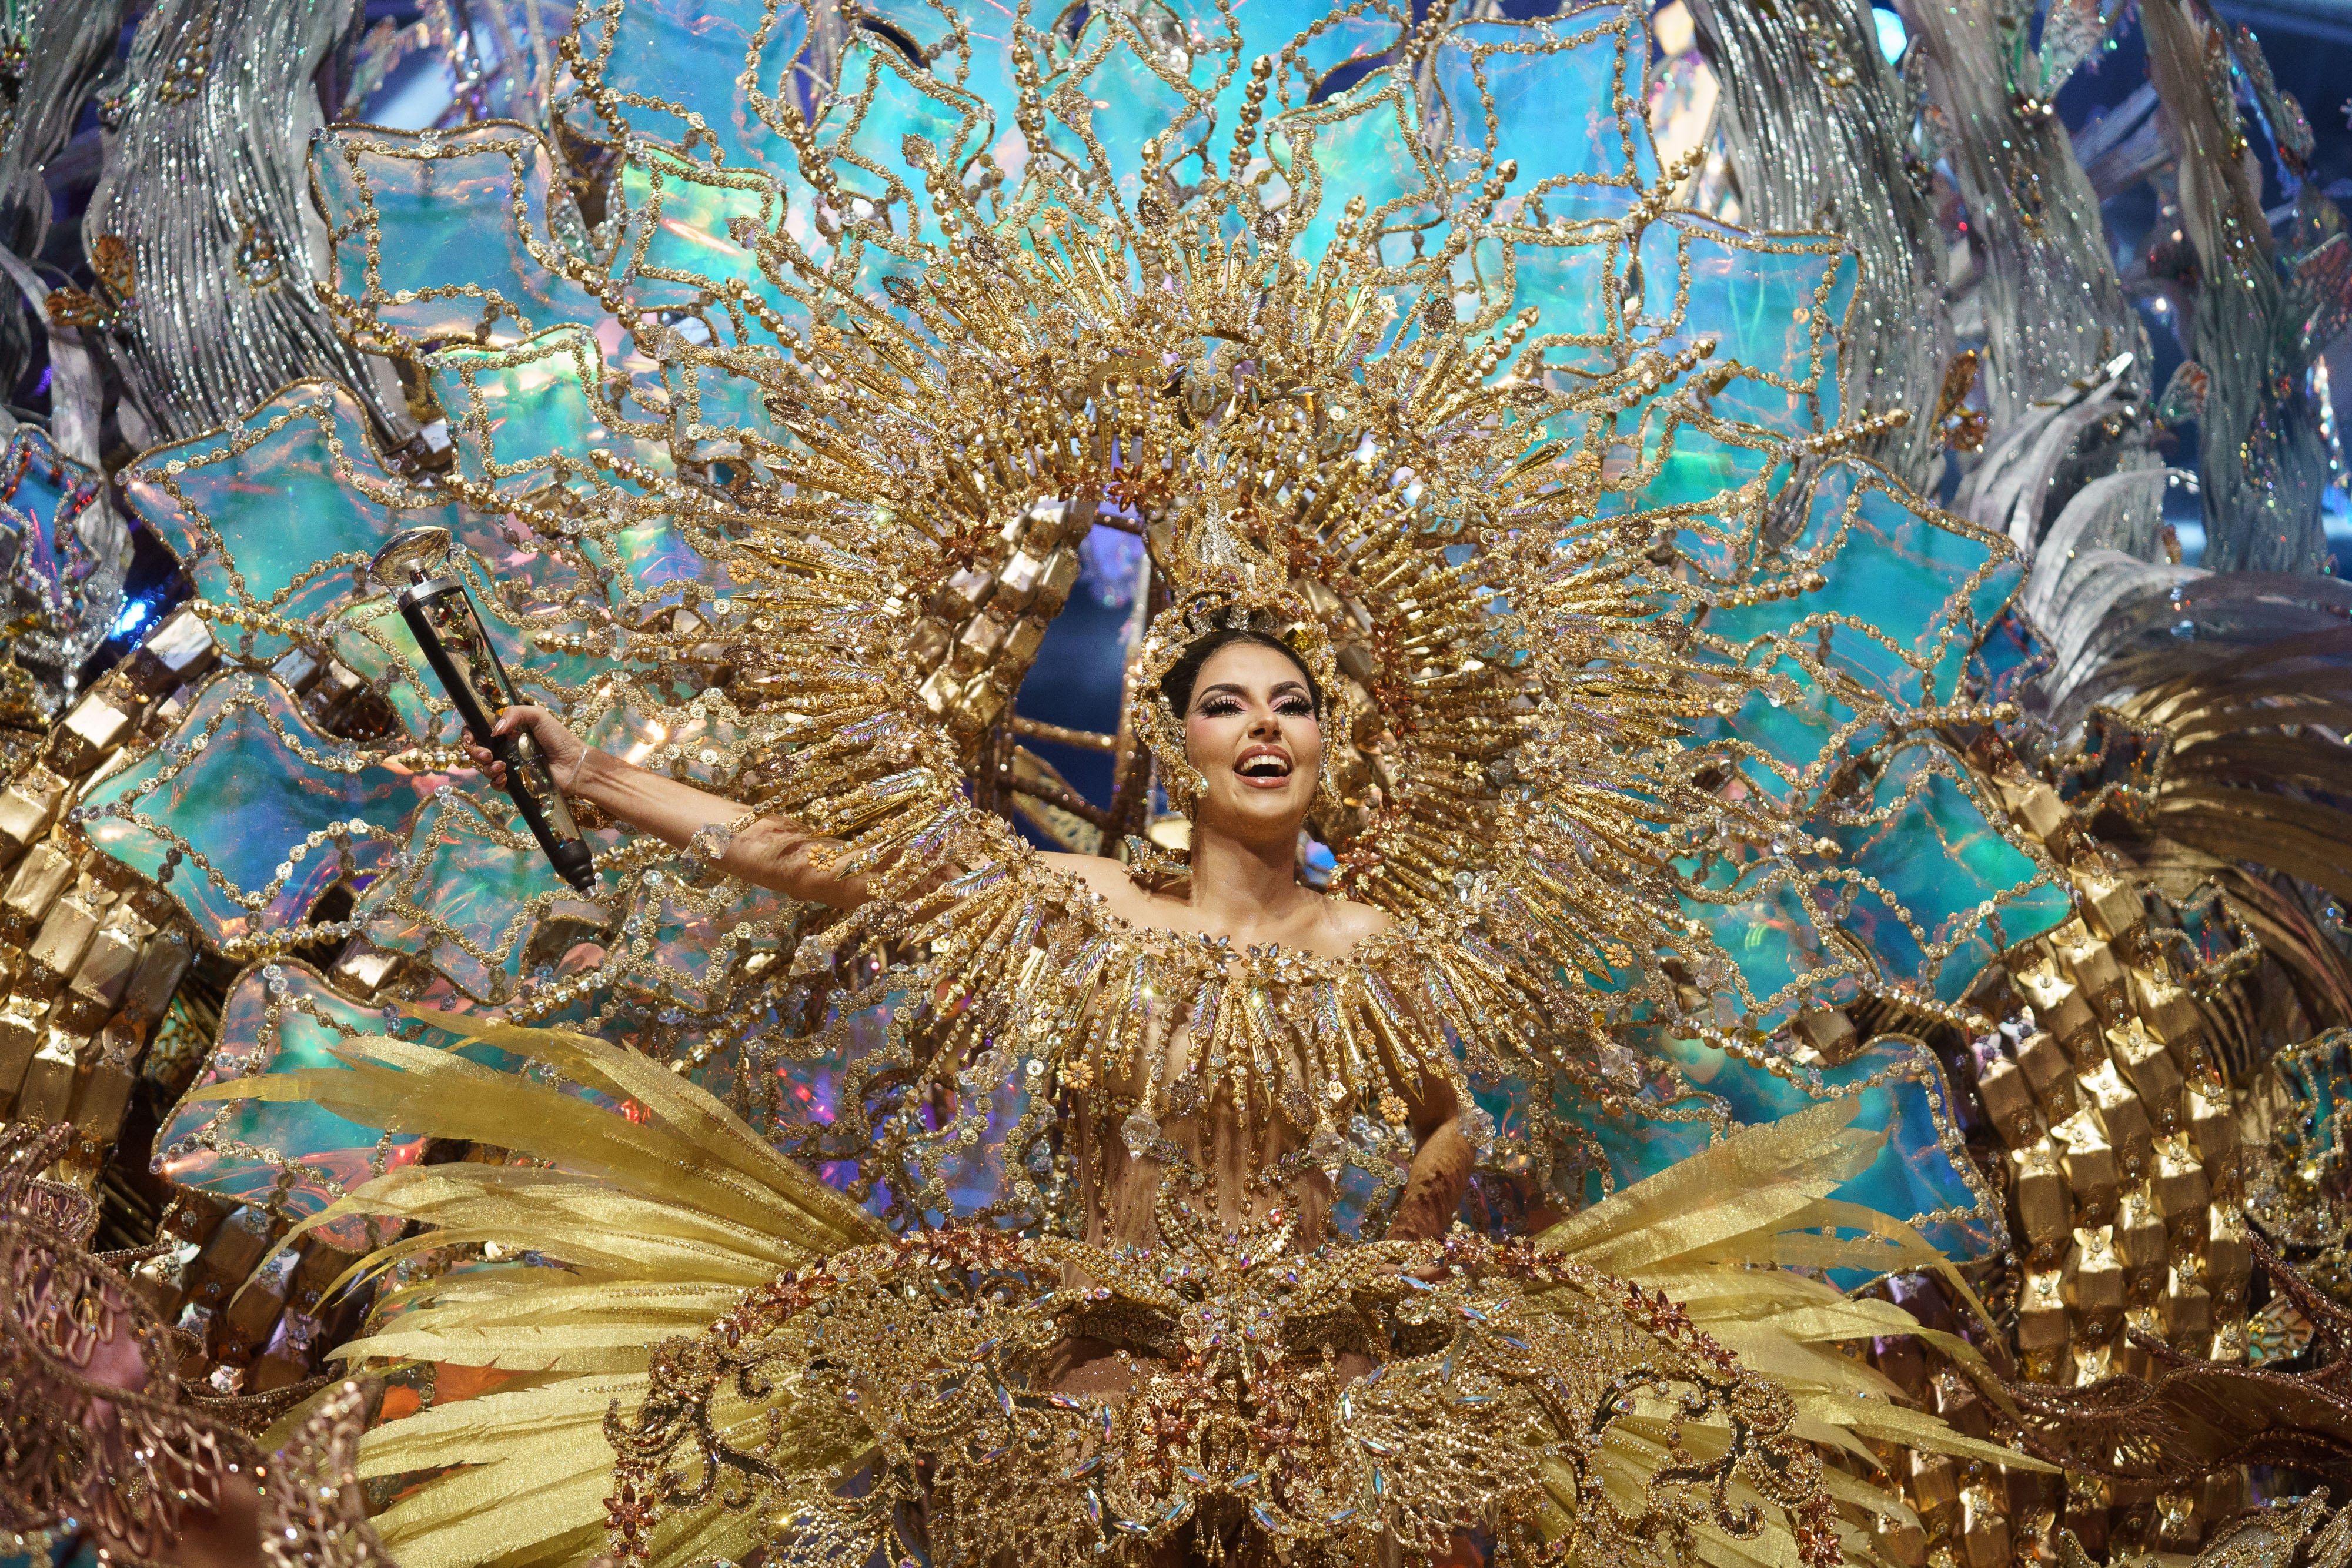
{"points": [[1177, 684]]}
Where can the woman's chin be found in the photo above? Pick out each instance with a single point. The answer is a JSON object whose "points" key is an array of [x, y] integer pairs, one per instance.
{"points": [[1251, 811]]}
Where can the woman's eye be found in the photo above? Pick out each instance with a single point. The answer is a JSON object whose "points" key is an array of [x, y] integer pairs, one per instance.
{"points": [[1296, 707], [1216, 708]]}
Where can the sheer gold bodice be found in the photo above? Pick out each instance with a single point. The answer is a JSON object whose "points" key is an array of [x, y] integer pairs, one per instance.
{"points": [[1237, 1168]]}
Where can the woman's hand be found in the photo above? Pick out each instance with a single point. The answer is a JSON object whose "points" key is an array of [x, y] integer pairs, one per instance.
{"points": [[565, 752]]}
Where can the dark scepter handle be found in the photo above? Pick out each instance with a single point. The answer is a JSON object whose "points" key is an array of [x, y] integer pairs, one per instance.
{"points": [[430, 606], [569, 857]]}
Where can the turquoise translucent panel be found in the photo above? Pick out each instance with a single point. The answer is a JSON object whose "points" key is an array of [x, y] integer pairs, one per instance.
{"points": [[435, 233], [882, 100], [1904, 596], [687, 55], [1365, 144], [680, 227], [712, 408], [1936, 852], [521, 417], [1337, 39], [292, 1157], [1564, 282], [1128, 96], [1771, 932], [1773, 304], [1547, 97], [1917, 583], [238, 792], [654, 556], [472, 887], [1695, 467], [263, 514], [1919, 835]]}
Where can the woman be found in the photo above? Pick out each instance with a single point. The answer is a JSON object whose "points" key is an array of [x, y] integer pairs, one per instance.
{"points": [[1109, 1115], [1252, 717]]}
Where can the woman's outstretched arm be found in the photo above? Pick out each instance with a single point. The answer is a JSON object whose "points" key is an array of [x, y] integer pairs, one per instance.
{"points": [[770, 851]]}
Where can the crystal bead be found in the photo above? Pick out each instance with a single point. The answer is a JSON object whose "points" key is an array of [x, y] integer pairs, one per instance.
{"points": [[1140, 1132]]}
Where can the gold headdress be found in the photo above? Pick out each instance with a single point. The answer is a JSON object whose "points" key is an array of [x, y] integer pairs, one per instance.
{"points": [[1307, 454]]}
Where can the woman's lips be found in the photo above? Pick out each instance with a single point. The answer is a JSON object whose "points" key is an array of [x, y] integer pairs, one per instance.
{"points": [[1261, 781]]}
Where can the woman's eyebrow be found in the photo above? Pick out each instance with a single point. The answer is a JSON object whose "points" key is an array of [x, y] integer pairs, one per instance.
{"points": [[1235, 688]]}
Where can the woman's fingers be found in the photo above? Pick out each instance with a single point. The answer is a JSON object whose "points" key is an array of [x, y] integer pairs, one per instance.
{"points": [[485, 760], [522, 715]]}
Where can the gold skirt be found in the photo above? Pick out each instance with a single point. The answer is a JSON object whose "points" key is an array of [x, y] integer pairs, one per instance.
{"points": [[710, 1353]]}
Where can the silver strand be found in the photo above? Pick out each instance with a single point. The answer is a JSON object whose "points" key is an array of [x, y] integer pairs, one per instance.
{"points": [[1816, 127], [205, 181]]}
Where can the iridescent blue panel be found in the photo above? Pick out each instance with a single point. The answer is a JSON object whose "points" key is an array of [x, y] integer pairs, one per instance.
{"points": [[444, 235], [522, 417], [292, 1157], [1548, 97], [687, 54], [268, 515], [252, 809]]}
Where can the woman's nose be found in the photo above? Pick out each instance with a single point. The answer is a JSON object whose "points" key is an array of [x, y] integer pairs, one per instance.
{"points": [[1266, 721]]}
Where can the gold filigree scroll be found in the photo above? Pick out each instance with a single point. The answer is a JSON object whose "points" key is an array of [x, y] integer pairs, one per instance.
{"points": [[1575, 1416], [96, 1426]]}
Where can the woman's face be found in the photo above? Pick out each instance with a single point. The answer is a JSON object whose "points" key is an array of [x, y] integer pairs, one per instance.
{"points": [[1253, 734]]}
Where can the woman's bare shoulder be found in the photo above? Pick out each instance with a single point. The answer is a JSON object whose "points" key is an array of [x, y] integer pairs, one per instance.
{"points": [[1357, 922]]}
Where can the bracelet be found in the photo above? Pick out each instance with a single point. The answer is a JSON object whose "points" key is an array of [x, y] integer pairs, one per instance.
{"points": [[710, 839]]}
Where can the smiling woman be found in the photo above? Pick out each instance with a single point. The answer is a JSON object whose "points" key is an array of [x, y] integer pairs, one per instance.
{"points": [[1251, 772], [1252, 765]]}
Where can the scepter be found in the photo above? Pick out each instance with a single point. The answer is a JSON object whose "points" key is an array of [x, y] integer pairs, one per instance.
{"points": [[442, 617]]}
